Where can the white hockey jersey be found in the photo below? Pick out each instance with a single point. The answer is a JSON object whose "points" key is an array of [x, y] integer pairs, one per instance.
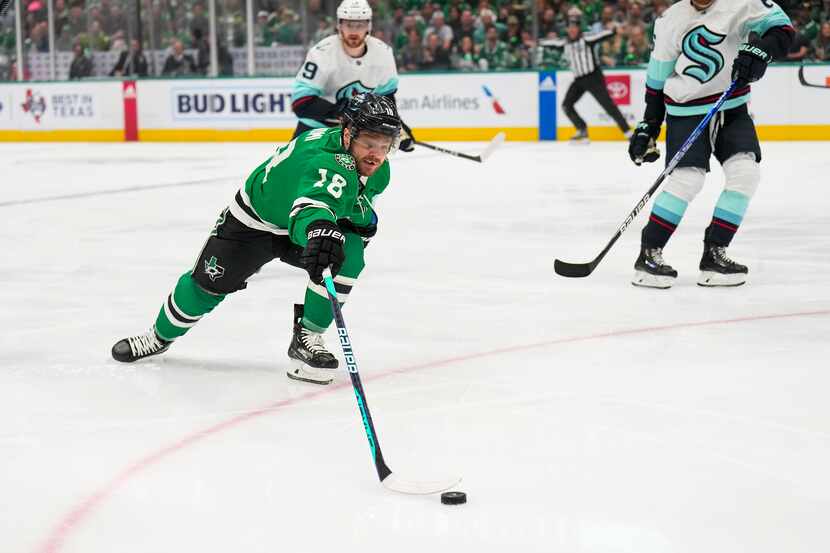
{"points": [[694, 51], [330, 73]]}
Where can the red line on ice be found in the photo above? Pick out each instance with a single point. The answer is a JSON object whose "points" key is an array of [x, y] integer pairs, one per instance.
{"points": [[78, 514]]}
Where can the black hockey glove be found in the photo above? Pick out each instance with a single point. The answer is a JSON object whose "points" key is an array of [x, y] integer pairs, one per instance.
{"points": [[750, 65], [642, 146], [366, 233], [407, 140], [335, 114], [324, 249]]}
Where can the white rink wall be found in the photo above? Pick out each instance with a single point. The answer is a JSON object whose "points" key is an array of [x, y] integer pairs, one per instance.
{"points": [[450, 106]]}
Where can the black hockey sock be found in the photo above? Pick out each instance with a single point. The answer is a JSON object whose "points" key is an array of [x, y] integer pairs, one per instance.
{"points": [[720, 232], [657, 232]]}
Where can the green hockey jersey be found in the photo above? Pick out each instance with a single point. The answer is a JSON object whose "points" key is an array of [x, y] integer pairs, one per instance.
{"points": [[312, 177]]}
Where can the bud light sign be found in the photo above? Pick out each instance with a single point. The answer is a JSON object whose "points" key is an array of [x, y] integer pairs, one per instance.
{"points": [[232, 103]]}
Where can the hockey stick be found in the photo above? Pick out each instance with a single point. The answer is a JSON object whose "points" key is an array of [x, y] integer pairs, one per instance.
{"points": [[803, 80], [494, 143], [389, 479], [578, 270]]}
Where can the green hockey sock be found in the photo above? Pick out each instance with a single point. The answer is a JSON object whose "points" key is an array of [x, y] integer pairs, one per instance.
{"points": [[317, 315], [184, 307]]}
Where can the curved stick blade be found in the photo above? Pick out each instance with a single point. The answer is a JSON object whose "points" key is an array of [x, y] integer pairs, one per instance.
{"points": [[395, 483], [494, 143], [572, 270]]}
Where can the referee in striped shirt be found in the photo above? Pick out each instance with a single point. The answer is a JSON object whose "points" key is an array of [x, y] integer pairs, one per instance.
{"points": [[581, 53]]}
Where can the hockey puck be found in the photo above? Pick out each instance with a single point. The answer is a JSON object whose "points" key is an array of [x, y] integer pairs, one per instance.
{"points": [[453, 498]]}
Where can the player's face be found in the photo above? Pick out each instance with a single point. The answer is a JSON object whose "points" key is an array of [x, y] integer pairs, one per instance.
{"points": [[370, 150], [353, 33]]}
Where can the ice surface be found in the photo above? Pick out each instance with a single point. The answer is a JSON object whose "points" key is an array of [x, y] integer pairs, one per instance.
{"points": [[584, 415]]}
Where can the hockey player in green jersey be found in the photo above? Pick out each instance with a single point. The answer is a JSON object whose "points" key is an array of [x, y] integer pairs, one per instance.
{"points": [[310, 205]]}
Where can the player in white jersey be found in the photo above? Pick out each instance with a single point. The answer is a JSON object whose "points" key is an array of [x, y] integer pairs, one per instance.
{"points": [[341, 66], [700, 46]]}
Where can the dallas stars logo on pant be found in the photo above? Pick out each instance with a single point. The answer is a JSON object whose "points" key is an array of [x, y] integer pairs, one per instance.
{"points": [[213, 269]]}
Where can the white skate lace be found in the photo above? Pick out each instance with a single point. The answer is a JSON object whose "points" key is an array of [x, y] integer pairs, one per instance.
{"points": [[657, 255], [719, 253], [144, 344], [313, 341]]}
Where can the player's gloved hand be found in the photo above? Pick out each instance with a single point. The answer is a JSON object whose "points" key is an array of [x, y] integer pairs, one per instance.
{"points": [[324, 249], [750, 65], [366, 232], [642, 146], [407, 139], [335, 113]]}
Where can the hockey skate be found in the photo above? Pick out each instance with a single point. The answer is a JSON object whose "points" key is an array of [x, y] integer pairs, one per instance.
{"points": [[310, 361], [716, 269], [581, 137], [651, 271], [138, 347]]}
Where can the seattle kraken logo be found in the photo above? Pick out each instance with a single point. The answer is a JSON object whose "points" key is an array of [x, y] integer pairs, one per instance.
{"points": [[351, 90], [697, 46]]}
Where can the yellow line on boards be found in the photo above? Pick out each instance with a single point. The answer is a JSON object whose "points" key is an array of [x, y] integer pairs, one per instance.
{"points": [[66, 135], [215, 135]]}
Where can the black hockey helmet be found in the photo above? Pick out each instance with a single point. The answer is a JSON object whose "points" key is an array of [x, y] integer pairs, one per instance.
{"points": [[374, 113]]}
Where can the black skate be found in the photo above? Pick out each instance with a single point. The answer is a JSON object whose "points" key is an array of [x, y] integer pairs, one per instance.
{"points": [[310, 360], [138, 347], [716, 269], [651, 271], [581, 137]]}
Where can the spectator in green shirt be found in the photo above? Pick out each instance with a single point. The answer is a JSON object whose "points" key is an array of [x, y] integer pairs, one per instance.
{"points": [[465, 57], [494, 51], [822, 43], [488, 19], [288, 31], [637, 50], [402, 38]]}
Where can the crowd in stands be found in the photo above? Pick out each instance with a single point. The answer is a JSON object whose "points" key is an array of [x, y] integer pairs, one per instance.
{"points": [[464, 35], [503, 34]]}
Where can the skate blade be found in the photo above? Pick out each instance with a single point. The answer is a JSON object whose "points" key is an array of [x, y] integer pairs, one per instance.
{"points": [[305, 373], [580, 142], [713, 279], [647, 280]]}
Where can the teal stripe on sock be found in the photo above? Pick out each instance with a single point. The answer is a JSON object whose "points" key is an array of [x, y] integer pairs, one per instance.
{"points": [[731, 206], [669, 207], [728, 216]]}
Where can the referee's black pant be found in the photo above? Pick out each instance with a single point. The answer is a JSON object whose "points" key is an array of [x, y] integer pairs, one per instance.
{"points": [[594, 83]]}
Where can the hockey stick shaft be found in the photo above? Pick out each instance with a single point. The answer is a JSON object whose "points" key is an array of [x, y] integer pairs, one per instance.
{"points": [[446, 151], [577, 270], [494, 143], [803, 80], [357, 385]]}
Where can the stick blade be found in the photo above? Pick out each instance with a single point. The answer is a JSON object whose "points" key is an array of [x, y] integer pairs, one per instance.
{"points": [[397, 484], [572, 270], [491, 147], [801, 78]]}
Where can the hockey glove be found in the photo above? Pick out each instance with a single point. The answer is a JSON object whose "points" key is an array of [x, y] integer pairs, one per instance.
{"points": [[324, 249], [407, 140], [642, 146], [365, 232], [750, 65]]}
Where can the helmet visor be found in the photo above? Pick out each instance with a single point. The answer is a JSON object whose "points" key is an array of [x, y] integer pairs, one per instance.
{"points": [[354, 25]]}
